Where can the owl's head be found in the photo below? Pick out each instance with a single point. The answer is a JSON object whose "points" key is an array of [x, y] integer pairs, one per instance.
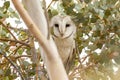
{"points": [[63, 26]]}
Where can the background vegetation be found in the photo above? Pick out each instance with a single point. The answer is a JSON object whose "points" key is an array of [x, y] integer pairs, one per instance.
{"points": [[97, 42]]}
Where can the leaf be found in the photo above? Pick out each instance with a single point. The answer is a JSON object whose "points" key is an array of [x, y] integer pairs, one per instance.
{"points": [[10, 10], [107, 13], [14, 14], [87, 1], [117, 60], [20, 51], [18, 22], [1, 72], [101, 14], [26, 63], [6, 78], [7, 4], [52, 13], [92, 47], [118, 32], [1, 15], [8, 72]]}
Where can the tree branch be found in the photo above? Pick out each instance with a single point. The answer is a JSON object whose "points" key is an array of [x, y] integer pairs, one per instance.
{"points": [[47, 18], [50, 4], [23, 56], [8, 30], [16, 41]]}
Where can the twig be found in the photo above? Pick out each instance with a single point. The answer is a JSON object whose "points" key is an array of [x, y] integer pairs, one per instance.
{"points": [[75, 72], [78, 52], [84, 58], [8, 30], [16, 41], [13, 58], [12, 63], [15, 51], [19, 29], [23, 56], [49, 4]]}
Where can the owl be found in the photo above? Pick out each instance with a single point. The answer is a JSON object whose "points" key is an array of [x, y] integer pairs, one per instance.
{"points": [[64, 31]]}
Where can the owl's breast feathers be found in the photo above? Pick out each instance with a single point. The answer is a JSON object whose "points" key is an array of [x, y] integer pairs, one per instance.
{"points": [[65, 47]]}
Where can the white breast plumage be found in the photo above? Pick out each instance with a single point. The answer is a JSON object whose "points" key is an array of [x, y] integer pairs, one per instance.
{"points": [[65, 47]]}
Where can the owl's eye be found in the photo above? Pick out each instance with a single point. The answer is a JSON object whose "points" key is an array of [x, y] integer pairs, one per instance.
{"points": [[67, 25], [56, 25]]}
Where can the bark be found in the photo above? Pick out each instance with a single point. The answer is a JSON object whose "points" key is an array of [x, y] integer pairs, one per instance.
{"points": [[37, 24]]}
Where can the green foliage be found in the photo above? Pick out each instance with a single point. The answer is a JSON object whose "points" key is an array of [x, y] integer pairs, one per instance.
{"points": [[6, 11], [15, 47], [98, 39], [98, 36]]}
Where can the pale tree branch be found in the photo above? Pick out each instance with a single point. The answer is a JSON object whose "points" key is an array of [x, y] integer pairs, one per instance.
{"points": [[47, 18], [51, 57]]}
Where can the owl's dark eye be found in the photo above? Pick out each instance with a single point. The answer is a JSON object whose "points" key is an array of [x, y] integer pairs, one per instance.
{"points": [[67, 25], [56, 25]]}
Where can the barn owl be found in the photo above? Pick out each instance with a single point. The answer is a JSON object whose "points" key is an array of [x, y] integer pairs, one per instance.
{"points": [[64, 31]]}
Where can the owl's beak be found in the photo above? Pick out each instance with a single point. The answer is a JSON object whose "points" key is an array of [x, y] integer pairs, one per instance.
{"points": [[62, 34]]}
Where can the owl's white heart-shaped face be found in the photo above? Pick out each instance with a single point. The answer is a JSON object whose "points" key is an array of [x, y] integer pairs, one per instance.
{"points": [[63, 27]]}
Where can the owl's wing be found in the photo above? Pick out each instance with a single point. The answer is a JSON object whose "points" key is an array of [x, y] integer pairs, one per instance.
{"points": [[71, 60]]}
